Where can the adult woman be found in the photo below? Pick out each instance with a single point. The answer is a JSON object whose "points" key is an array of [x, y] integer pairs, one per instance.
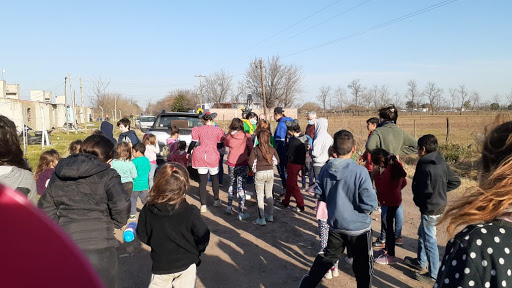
{"points": [[205, 157], [14, 170], [87, 199], [479, 255]]}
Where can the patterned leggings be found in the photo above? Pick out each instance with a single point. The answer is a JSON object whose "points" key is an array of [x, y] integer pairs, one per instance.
{"points": [[323, 233], [237, 179]]}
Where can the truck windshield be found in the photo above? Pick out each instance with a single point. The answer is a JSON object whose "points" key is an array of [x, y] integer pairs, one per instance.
{"points": [[147, 119], [180, 122]]}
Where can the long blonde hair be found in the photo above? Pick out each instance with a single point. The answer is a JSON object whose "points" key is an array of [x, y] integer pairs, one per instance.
{"points": [[493, 195]]}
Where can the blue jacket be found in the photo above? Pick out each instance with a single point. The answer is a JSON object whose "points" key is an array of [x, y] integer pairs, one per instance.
{"points": [[347, 189], [281, 129]]}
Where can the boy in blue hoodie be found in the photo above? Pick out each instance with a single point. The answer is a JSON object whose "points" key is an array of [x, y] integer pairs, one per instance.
{"points": [[347, 189], [280, 139]]}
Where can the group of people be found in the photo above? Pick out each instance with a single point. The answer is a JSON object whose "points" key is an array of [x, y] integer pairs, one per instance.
{"points": [[96, 188]]}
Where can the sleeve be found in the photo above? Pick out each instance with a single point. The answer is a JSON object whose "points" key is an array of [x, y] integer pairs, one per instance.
{"points": [[252, 157], [191, 146], [367, 196], [133, 170], [422, 189], [316, 149], [143, 229], [280, 131], [118, 201], [453, 181], [319, 189], [373, 142], [157, 148], [200, 231], [48, 205], [276, 155], [248, 144], [195, 134], [409, 145], [32, 187], [463, 273]]}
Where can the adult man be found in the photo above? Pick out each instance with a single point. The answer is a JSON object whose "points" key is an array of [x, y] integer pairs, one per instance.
{"points": [[280, 139]]}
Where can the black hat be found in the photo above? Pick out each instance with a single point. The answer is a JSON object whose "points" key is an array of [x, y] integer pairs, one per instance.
{"points": [[279, 110], [208, 113]]}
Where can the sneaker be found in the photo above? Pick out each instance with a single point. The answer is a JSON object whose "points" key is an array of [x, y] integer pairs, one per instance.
{"points": [[399, 241], [378, 253], [133, 217], [335, 272], [270, 218], [243, 216], [247, 197], [216, 203], [377, 210], [385, 259], [379, 244], [299, 209], [260, 221], [328, 275], [424, 277], [414, 263], [229, 210], [349, 261], [281, 204], [204, 209]]}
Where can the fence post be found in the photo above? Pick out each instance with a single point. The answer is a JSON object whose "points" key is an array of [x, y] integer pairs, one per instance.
{"points": [[415, 129], [447, 129]]}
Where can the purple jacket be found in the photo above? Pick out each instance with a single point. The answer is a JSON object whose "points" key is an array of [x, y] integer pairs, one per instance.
{"points": [[43, 178]]}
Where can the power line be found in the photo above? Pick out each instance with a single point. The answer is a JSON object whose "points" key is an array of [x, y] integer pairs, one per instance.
{"points": [[399, 19]]}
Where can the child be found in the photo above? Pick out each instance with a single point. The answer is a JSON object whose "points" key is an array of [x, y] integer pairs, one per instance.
{"points": [[262, 160], [390, 179], [74, 147], [432, 179], [240, 146], [152, 150], [127, 135], [181, 155], [366, 158], [47, 162], [347, 190], [321, 144], [480, 253], [124, 166], [140, 183], [296, 158], [172, 142], [173, 229]]}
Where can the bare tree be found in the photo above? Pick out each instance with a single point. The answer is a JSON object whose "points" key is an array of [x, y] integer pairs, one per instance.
{"points": [[373, 97], [475, 100], [454, 98], [413, 94], [463, 96], [100, 91], [509, 97], [340, 96], [282, 82], [384, 96], [217, 86], [356, 89], [496, 98], [433, 94], [397, 99], [324, 96]]}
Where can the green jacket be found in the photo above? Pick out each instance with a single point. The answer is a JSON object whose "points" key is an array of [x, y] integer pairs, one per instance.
{"points": [[392, 139]]}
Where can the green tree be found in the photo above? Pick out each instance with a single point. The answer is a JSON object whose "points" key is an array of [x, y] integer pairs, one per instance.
{"points": [[181, 103], [494, 106]]}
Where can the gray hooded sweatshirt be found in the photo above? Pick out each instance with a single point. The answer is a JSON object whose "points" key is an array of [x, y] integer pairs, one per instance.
{"points": [[19, 179], [322, 142]]}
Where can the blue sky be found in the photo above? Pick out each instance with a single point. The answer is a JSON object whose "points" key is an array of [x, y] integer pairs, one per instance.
{"points": [[147, 48]]}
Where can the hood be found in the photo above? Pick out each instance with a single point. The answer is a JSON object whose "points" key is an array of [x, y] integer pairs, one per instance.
{"points": [[165, 209], [321, 125], [80, 166], [108, 130], [432, 158], [284, 119], [12, 176], [337, 167], [240, 135]]}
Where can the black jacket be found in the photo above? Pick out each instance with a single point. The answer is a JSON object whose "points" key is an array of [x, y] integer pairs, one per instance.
{"points": [[86, 197], [177, 236], [433, 178], [296, 151]]}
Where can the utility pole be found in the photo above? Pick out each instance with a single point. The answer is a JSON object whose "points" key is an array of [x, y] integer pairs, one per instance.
{"points": [[72, 101], [66, 104], [82, 100], [74, 113], [115, 107], [200, 88], [263, 90]]}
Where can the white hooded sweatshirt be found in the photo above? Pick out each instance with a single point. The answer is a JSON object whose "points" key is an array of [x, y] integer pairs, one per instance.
{"points": [[322, 142]]}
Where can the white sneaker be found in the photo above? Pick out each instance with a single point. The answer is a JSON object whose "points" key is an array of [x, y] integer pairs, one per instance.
{"points": [[216, 203], [204, 209], [247, 197], [335, 272], [328, 275]]}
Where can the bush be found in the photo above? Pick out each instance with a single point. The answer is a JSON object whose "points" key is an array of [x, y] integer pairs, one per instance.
{"points": [[455, 152]]}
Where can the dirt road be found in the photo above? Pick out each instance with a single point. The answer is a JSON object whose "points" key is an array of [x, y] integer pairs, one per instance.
{"points": [[242, 254]]}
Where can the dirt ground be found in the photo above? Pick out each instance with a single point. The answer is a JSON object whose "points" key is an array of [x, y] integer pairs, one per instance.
{"points": [[243, 254]]}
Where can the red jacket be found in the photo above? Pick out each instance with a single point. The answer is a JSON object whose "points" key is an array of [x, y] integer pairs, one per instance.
{"points": [[389, 191], [367, 158]]}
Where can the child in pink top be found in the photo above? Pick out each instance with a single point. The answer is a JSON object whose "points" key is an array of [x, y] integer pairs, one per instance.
{"points": [[181, 155], [152, 150]]}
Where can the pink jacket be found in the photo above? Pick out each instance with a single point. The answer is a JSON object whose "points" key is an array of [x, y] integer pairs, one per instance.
{"points": [[240, 147]]}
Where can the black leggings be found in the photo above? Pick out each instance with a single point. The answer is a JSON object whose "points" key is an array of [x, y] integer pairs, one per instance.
{"points": [[203, 179], [390, 230]]}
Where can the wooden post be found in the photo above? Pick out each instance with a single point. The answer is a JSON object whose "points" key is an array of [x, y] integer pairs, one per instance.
{"points": [[447, 129], [415, 129], [263, 90]]}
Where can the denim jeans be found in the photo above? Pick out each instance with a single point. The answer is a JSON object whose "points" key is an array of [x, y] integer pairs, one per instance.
{"points": [[399, 222], [427, 244], [281, 167], [143, 195], [264, 182], [152, 174]]}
